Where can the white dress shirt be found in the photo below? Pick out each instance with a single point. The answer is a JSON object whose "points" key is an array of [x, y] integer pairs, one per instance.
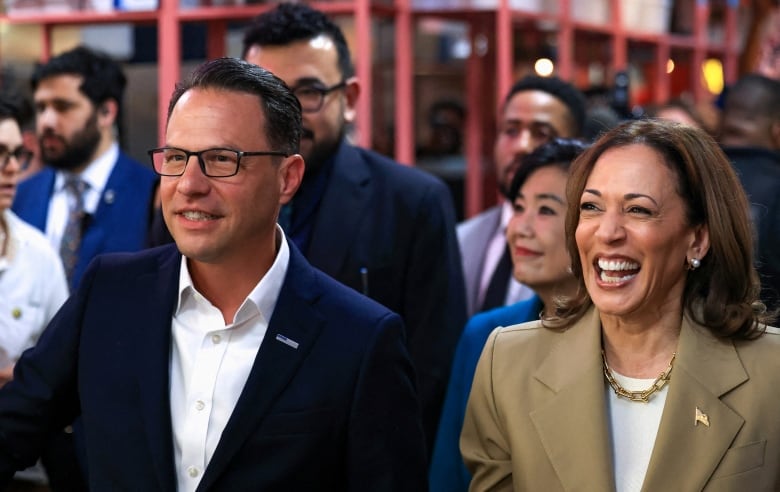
{"points": [[515, 290], [96, 176], [210, 364]]}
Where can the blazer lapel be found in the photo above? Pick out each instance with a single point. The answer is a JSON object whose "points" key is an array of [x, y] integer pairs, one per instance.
{"points": [[343, 206], [159, 288], [686, 452], [473, 239], [33, 206], [295, 320], [573, 371], [94, 236]]}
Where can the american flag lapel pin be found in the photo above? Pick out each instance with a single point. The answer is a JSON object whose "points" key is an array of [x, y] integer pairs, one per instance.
{"points": [[286, 341], [702, 418]]}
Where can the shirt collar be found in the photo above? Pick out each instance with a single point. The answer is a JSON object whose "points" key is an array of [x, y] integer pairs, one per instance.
{"points": [[96, 173], [506, 214], [11, 240], [265, 294]]}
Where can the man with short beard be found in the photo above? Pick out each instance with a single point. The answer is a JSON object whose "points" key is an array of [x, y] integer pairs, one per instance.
{"points": [[382, 228], [535, 111], [77, 97]]}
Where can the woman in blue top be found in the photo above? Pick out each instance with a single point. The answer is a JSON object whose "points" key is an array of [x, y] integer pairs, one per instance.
{"points": [[535, 235]]}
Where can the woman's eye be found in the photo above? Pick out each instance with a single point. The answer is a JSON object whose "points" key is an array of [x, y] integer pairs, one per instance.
{"points": [[635, 209]]}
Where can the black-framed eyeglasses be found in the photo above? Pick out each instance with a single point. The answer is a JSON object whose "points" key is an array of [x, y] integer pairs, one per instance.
{"points": [[312, 96], [22, 155], [215, 163]]}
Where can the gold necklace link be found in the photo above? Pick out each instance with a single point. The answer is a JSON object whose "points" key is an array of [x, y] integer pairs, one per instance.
{"points": [[637, 396]]}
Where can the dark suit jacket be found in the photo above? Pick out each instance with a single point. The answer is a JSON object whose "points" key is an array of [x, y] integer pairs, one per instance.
{"points": [[337, 413], [121, 221], [399, 224], [759, 171]]}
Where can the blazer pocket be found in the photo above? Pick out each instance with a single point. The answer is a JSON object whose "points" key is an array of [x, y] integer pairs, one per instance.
{"points": [[741, 459], [288, 424]]}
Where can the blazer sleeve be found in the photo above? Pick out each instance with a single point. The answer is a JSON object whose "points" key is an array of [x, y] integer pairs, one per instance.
{"points": [[434, 299], [42, 397], [448, 473], [483, 444], [386, 450]]}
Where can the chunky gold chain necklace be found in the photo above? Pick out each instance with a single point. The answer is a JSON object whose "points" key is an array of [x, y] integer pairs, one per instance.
{"points": [[638, 396]]}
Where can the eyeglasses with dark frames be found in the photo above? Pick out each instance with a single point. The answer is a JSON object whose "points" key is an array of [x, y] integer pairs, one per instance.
{"points": [[22, 155], [215, 163], [312, 96]]}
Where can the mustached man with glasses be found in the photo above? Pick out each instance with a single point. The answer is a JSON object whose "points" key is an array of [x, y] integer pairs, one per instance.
{"points": [[382, 228], [32, 281], [225, 362]]}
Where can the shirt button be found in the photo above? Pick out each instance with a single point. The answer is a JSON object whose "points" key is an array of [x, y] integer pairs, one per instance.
{"points": [[199, 405], [193, 472], [215, 339]]}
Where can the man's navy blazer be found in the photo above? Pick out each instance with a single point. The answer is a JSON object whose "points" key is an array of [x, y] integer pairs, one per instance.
{"points": [[389, 230], [121, 221], [337, 412]]}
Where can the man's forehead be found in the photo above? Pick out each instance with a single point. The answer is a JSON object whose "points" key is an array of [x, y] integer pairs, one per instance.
{"points": [[536, 106]]}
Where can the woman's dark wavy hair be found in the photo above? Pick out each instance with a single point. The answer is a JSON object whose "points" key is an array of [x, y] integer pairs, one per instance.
{"points": [[559, 152], [723, 293]]}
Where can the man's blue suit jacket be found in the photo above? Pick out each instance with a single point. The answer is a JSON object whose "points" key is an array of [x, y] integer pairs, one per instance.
{"points": [[336, 413], [397, 225], [121, 221]]}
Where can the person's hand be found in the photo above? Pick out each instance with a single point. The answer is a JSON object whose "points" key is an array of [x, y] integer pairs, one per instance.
{"points": [[6, 374]]}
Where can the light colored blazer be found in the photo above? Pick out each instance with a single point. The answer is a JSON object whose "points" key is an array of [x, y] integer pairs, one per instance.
{"points": [[474, 235], [536, 417]]}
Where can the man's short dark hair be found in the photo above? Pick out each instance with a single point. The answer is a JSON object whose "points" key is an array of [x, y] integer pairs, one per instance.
{"points": [[103, 77], [280, 107], [755, 93], [290, 22], [565, 92]]}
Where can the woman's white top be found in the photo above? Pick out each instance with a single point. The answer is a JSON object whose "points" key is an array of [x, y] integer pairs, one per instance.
{"points": [[634, 426]]}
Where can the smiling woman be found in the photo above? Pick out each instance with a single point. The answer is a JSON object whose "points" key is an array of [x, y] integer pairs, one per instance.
{"points": [[664, 337]]}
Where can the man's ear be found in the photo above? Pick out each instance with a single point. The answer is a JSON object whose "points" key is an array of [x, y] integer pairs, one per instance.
{"points": [[351, 94], [290, 177], [107, 113]]}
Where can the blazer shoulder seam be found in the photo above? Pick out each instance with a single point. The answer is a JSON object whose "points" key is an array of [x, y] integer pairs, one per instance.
{"points": [[528, 325]]}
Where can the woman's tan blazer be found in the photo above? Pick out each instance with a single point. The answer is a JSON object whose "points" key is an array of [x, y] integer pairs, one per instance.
{"points": [[536, 417]]}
